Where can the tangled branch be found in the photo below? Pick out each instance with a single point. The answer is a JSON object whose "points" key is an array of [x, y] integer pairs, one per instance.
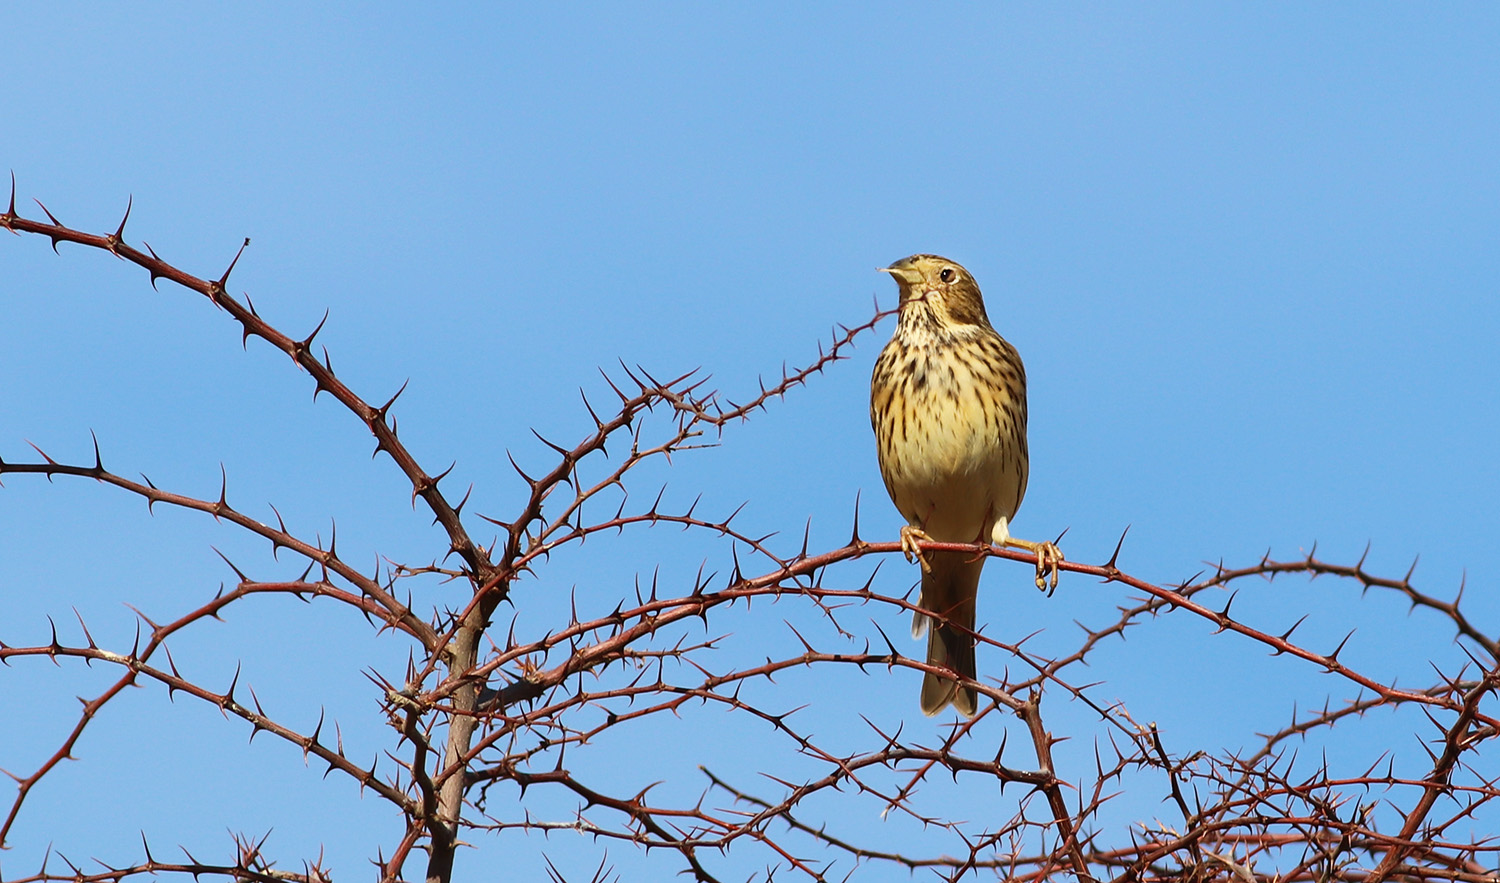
{"points": [[498, 730]]}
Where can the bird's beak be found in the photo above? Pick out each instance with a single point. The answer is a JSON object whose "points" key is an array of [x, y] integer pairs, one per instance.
{"points": [[908, 275]]}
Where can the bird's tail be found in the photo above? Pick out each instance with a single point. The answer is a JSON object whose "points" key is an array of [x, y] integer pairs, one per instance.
{"points": [[948, 590]]}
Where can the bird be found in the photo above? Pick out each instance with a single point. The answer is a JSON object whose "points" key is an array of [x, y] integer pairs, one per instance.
{"points": [[948, 406]]}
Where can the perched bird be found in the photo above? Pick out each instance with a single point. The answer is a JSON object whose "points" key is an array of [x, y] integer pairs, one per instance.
{"points": [[948, 404]]}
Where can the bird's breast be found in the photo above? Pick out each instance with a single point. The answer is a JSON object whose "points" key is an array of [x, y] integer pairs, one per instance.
{"points": [[950, 426]]}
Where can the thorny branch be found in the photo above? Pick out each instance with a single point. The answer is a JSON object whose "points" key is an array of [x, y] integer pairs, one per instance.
{"points": [[496, 727]]}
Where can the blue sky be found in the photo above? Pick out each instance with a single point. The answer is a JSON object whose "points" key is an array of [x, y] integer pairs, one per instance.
{"points": [[1248, 253]]}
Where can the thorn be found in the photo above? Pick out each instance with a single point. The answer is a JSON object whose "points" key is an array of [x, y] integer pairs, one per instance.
{"points": [[1224, 619], [150, 498], [237, 572], [1288, 633], [84, 626], [556, 447], [1110, 565], [895, 654], [152, 269], [531, 482], [385, 408], [245, 329], [224, 280], [632, 377], [115, 240], [737, 576], [44, 456], [805, 645], [306, 342], [623, 398], [229, 694], [503, 525], [1472, 659], [55, 223], [598, 424], [1333, 657], [10, 213]]}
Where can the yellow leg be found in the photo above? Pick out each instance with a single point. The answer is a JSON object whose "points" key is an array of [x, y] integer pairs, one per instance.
{"points": [[910, 536], [1048, 556]]}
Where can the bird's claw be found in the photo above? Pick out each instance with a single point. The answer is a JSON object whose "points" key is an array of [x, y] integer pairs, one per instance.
{"points": [[910, 536], [1048, 557]]}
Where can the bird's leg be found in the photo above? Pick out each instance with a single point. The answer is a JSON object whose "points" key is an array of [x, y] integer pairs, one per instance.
{"points": [[910, 536], [1048, 555]]}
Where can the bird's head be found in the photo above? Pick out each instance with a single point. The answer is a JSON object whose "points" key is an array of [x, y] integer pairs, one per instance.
{"points": [[940, 287]]}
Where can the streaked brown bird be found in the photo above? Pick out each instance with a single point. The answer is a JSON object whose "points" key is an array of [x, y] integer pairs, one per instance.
{"points": [[948, 403]]}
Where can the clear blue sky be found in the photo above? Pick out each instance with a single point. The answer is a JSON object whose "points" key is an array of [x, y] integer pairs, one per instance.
{"points": [[1248, 252]]}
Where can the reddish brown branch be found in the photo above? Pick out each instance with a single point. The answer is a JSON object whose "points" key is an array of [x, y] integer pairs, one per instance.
{"points": [[572, 685]]}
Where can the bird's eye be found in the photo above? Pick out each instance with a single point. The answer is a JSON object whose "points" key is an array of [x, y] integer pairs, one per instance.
{"points": [[947, 275]]}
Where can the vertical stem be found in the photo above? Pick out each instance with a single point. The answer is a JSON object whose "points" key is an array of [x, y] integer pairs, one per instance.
{"points": [[1031, 712], [444, 828]]}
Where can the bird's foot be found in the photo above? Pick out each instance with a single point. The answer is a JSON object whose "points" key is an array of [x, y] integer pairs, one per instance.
{"points": [[1048, 557], [910, 536]]}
